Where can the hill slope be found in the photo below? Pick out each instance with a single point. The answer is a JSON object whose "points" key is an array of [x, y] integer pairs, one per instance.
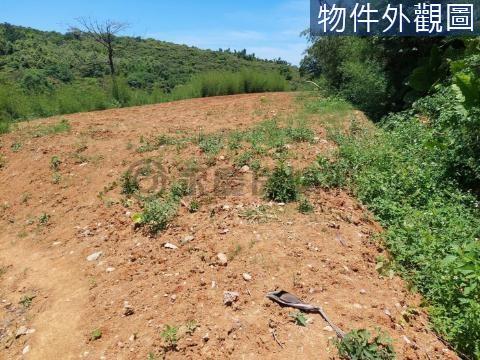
{"points": [[62, 202]]}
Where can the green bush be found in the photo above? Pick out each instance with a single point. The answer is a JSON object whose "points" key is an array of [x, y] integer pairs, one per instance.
{"points": [[365, 85], [360, 345], [402, 174], [129, 184], [282, 185]]}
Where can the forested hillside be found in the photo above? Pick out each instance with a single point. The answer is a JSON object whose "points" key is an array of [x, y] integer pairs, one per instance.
{"points": [[45, 73]]}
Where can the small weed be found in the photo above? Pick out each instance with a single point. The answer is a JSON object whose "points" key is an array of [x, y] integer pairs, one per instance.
{"points": [[385, 266], [360, 345], [194, 206], [305, 206], [157, 214], [179, 189], [25, 197], [129, 183], [26, 300], [235, 252], [299, 318], [191, 326], [235, 140], [96, 335], [61, 127], [243, 159], [16, 147], [259, 214], [282, 185], [56, 178], [300, 134], [169, 336], [44, 219], [210, 144], [55, 163]]}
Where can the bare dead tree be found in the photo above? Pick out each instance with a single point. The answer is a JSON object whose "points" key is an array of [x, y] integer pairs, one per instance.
{"points": [[104, 33]]}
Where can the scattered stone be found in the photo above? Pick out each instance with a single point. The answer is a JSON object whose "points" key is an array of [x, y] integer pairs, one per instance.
{"points": [[173, 298], [22, 330], [229, 297], [206, 337], [94, 256], [407, 340], [245, 169], [132, 337], [222, 259], [203, 282], [26, 349], [221, 158], [247, 277], [110, 269], [188, 239], [388, 313], [357, 306], [328, 328], [56, 243], [128, 310], [363, 291], [224, 231], [170, 246]]}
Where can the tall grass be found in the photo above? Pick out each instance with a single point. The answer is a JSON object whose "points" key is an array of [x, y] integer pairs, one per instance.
{"points": [[91, 94]]}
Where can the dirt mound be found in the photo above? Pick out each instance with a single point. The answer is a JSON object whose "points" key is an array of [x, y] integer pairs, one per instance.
{"points": [[78, 280]]}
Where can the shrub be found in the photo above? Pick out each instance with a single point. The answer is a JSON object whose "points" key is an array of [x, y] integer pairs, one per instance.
{"points": [[157, 214], [325, 174], [210, 144], [365, 85], [55, 163], [360, 345], [305, 206], [282, 185], [129, 183], [4, 127]]}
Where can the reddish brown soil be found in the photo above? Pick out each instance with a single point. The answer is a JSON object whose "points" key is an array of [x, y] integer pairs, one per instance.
{"points": [[326, 258]]}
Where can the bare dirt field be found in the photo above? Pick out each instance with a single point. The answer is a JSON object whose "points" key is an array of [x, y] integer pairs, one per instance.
{"points": [[57, 304]]}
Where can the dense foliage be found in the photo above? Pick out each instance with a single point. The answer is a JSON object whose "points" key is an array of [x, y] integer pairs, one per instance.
{"points": [[46, 73], [419, 170]]}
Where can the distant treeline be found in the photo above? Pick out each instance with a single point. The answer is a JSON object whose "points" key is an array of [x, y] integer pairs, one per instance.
{"points": [[47, 73]]}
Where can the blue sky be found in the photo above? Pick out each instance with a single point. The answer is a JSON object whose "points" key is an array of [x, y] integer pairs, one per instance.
{"points": [[269, 28]]}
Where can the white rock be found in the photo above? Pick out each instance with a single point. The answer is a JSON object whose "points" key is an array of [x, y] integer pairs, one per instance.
{"points": [[170, 246], [247, 276], [26, 349], [245, 169], [363, 291], [94, 256], [188, 239], [22, 330], [229, 297], [407, 340], [110, 269], [222, 259], [328, 328]]}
